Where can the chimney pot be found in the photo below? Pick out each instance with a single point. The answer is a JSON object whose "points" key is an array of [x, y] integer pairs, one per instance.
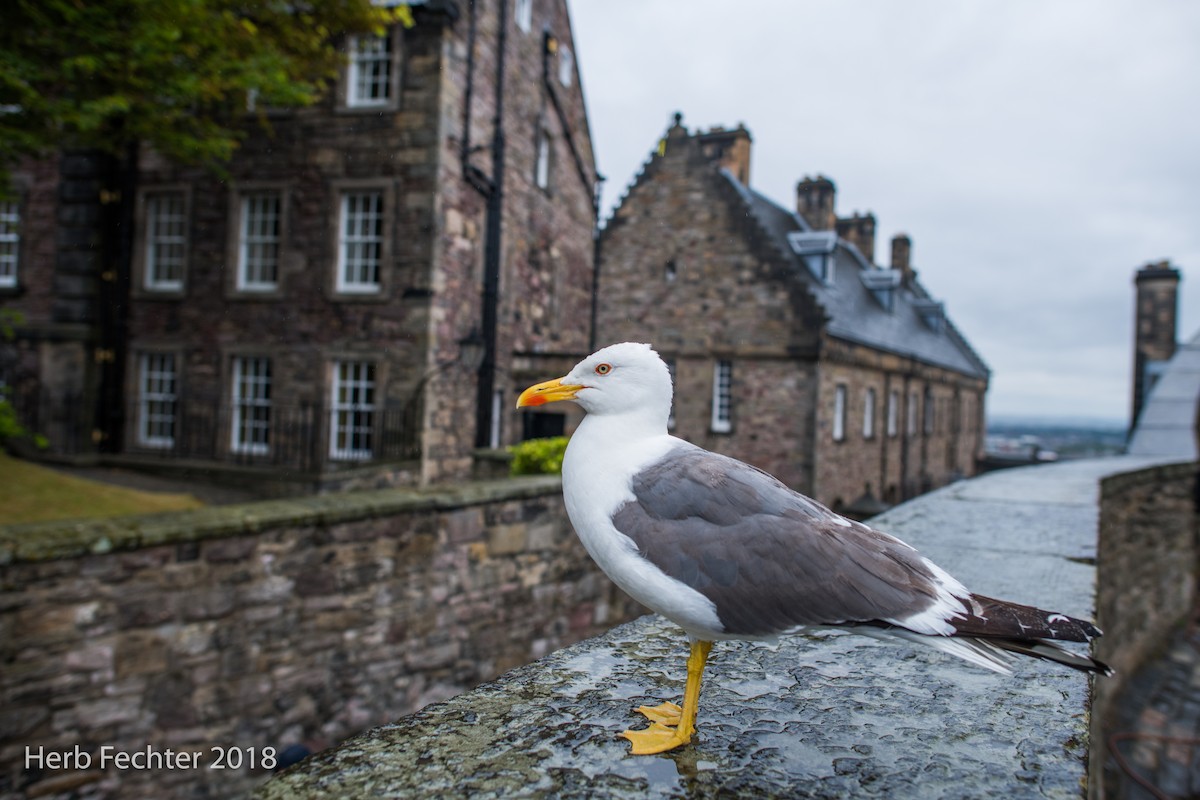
{"points": [[815, 201]]}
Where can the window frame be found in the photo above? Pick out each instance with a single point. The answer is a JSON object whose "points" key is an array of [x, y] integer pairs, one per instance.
{"points": [[523, 15], [893, 413], [151, 395], [10, 244], [240, 403], [344, 241], [721, 417], [242, 281], [153, 239], [840, 397], [869, 399], [543, 166], [566, 66], [345, 415], [357, 58]]}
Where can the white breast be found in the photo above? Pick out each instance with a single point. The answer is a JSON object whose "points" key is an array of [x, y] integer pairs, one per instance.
{"points": [[598, 470]]}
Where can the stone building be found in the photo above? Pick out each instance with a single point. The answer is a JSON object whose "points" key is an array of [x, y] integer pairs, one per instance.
{"points": [[366, 287], [791, 348]]}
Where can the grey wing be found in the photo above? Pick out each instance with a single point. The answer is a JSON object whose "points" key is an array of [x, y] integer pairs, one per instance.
{"points": [[769, 558]]}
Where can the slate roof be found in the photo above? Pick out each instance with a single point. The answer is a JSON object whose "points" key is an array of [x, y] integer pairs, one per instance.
{"points": [[1166, 424], [854, 311]]}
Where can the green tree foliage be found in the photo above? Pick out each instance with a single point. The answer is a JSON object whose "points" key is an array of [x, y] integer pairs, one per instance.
{"points": [[175, 74], [538, 456], [10, 426]]}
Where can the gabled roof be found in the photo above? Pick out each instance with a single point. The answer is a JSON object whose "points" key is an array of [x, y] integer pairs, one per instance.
{"points": [[854, 306]]}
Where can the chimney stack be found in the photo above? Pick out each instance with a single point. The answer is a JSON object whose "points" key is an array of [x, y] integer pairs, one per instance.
{"points": [[730, 149], [1155, 335], [860, 232], [902, 257], [815, 202]]}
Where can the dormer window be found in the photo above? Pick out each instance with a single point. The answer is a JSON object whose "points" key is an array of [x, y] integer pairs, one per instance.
{"points": [[815, 248], [932, 313], [883, 284]]}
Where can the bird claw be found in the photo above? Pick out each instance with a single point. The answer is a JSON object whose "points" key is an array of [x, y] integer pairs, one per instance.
{"points": [[667, 713], [658, 738]]}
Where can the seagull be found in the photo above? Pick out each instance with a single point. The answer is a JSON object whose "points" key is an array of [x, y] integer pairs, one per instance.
{"points": [[726, 551]]}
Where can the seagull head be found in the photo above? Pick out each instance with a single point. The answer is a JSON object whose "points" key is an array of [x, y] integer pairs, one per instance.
{"points": [[619, 379]]}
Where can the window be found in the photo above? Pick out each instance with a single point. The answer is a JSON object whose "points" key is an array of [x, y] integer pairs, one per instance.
{"points": [[542, 170], [566, 65], [251, 401], [157, 395], [722, 398], [816, 249], [360, 242], [671, 413], [352, 414], [869, 414], [166, 241], [369, 78], [10, 240], [524, 15], [893, 413], [839, 413], [258, 243], [929, 416], [911, 426]]}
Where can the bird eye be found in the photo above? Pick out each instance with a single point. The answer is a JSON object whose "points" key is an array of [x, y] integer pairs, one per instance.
{"points": [[603, 369]]}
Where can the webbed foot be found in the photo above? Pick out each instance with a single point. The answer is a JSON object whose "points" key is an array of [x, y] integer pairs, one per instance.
{"points": [[658, 738], [667, 713]]}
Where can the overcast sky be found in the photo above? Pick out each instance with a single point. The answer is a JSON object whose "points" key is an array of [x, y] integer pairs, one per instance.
{"points": [[1036, 152]]}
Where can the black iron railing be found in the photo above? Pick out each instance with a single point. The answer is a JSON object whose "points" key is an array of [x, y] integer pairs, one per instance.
{"points": [[304, 437]]}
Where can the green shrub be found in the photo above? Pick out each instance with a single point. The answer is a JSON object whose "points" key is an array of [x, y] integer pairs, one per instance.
{"points": [[538, 456]]}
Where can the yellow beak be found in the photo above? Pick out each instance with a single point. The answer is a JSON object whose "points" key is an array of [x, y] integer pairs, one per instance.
{"points": [[548, 392]]}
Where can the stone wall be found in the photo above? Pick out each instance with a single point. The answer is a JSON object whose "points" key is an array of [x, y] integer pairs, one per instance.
{"points": [[818, 715], [273, 624], [1146, 568]]}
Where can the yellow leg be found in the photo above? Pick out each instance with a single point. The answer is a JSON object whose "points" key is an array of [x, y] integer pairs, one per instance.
{"points": [[662, 736]]}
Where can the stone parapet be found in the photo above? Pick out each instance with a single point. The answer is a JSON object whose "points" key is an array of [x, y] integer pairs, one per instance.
{"points": [[821, 715], [256, 628]]}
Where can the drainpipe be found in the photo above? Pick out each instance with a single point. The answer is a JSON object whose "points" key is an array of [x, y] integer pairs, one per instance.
{"points": [[596, 246], [492, 252]]}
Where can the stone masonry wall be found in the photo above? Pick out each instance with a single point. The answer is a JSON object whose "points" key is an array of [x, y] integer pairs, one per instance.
{"points": [[1146, 567], [273, 624]]}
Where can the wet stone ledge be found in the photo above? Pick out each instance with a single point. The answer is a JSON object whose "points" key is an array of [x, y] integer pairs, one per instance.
{"points": [[824, 715]]}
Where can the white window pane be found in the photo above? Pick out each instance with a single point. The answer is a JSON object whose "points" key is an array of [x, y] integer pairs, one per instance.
{"points": [[166, 241], [10, 240], [352, 411], [360, 249], [156, 400], [370, 74], [839, 413], [251, 401], [722, 417], [258, 250]]}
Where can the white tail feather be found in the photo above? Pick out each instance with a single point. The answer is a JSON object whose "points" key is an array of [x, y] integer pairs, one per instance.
{"points": [[972, 651]]}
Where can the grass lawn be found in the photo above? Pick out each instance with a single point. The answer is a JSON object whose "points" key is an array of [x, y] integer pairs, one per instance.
{"points": [[32, 493]]}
